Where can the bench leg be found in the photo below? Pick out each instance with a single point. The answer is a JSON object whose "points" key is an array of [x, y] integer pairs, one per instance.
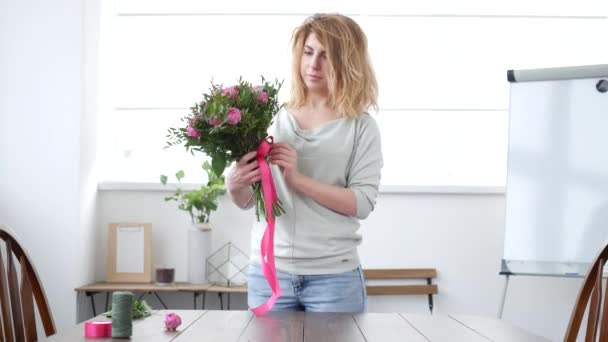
{"points": [[428, 281]]}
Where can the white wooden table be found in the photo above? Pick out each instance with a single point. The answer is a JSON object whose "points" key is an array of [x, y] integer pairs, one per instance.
{"points": [[220, 326]]}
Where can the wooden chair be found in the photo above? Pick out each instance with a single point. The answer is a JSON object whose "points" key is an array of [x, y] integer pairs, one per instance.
{"points": [[592, 287], [409, 289], [17, 295]]}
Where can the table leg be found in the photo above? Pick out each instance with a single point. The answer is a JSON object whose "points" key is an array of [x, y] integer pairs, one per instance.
{"points": [[107, 299], [204, 295], [160, 300], [221, 300], [92, 297], [196, 294], [228, 304], [504, 297]]}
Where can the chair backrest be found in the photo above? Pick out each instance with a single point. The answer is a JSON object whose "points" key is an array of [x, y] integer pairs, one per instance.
{"points": [[408, 289], [17, 293], [592, 288]]}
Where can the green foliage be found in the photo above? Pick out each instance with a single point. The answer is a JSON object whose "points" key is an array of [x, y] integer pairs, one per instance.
{"points": [[140, 310], [198, 203]]}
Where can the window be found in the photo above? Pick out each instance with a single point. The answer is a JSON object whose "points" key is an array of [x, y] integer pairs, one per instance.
{"points": [[441, 70]]}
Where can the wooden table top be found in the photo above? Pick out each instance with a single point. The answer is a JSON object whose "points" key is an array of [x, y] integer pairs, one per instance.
{"points": [[223, 326], [152, 287]]}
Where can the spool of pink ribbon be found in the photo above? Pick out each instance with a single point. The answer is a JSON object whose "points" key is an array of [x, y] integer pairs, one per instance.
{"points": [[98, 329], [267, 244]]}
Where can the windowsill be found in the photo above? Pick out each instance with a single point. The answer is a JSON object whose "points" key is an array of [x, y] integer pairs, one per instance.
{"points": [[385, 189]]}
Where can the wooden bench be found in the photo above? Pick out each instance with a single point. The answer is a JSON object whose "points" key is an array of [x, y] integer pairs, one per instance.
{"points": [[408, 289]]}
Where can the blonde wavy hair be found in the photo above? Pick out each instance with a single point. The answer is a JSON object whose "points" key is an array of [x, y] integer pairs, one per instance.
{"points": [[353, 89]]}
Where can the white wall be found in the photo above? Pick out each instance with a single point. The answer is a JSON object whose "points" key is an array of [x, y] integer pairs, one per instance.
{"points": [[88, 141], [46, 188], [460, 235]]}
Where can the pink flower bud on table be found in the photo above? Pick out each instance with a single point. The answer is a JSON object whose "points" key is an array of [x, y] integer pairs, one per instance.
{"points": [[172, 321]]}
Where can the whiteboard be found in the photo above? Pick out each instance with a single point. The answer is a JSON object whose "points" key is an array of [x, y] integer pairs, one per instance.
{"points": [[556, 217]]}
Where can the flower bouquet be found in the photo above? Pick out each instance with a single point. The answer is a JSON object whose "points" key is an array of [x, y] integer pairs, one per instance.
{"points": [[227, 124]]}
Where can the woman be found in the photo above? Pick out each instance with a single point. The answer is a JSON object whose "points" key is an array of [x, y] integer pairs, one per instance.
{"points": [[326, 163]]}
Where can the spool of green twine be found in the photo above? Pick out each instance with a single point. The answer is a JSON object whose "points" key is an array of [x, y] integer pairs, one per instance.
{"points": [[122, 314]]}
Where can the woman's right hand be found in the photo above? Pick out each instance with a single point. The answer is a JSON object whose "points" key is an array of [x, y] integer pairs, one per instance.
{"points": [[243, 174]]}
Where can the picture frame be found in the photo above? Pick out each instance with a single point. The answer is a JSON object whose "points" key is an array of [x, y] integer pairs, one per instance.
{"points": [[129, 252]]}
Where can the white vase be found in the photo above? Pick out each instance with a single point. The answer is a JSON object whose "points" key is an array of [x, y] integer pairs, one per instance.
{"points": [[199, 247]]}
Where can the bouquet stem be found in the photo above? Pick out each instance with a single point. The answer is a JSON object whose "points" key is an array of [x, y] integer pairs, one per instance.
{"points": [[260, 203]]}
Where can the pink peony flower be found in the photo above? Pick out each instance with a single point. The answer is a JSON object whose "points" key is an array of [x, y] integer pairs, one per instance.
{"points": [[172, 321], [193, 133], [234, 116], [232, 92], [214, 121], [263, 97]]}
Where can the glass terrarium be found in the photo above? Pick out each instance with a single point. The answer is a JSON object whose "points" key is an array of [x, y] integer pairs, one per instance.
{"points": [[227, 266]]}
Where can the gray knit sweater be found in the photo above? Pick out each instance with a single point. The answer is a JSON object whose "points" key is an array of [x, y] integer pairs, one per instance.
{"points": [[310, 238]]}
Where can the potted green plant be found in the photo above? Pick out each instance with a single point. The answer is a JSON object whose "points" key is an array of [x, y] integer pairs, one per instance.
{"points": [[198, 204]]}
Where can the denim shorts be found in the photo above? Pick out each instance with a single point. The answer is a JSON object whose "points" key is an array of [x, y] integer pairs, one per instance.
{"points": [[339, 292]]}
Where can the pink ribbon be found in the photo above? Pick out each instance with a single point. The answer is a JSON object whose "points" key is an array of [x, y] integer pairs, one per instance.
{"points": [[98, 329], [267, 245]]}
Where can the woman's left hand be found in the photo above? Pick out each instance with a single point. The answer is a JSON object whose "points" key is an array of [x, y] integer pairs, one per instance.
{"points": [[286, 158]]}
